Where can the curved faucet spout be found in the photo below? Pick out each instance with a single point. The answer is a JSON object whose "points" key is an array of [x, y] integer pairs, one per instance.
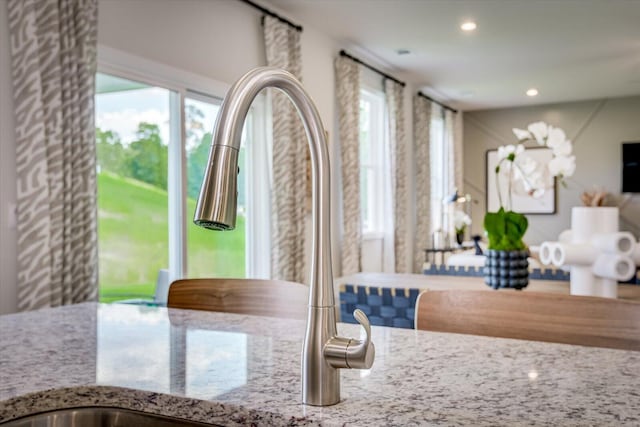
{"points": [[216, 209]]}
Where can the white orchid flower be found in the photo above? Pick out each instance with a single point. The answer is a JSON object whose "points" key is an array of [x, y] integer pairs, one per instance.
{"points": [[510, 153], [558, 141], [505, 150], [562, 166], [522, 134], [539, 130], [460, 220], [555, 136], [562, 149], [526, 175]]}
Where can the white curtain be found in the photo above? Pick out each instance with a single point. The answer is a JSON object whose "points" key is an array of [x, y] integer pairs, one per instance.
{"points": [[53, 62], [453, 135], [398, 173], [457, 150], [282, 43], [422, 116], [348, 96], [446, 170], [388, 202]]}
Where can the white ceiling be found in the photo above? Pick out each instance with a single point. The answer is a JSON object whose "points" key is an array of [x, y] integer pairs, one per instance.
{"points": [[568, 49]]}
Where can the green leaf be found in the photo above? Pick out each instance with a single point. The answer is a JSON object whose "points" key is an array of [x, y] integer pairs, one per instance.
{"points": [[505, 230]]}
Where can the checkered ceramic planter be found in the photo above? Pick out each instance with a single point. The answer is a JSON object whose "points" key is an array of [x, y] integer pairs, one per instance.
{"points": [[506, 269]]}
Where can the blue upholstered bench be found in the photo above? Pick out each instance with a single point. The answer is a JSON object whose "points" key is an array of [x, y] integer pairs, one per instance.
{"points": [[384, 306]]}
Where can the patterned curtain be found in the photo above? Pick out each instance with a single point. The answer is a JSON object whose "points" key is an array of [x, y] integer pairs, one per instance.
{"points": [[290, 149], [348, 95], [397, 141], [453, 135], [422, 136], [53, 61]]}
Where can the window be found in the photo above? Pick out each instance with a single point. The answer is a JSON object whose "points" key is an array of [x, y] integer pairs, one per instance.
{"points": [[441, 159], [372, 137], [132, 138], [152, 147]]}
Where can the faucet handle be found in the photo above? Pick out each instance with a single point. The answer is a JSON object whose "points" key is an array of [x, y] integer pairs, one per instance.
{"points": [[349, 352], [360, 354]]}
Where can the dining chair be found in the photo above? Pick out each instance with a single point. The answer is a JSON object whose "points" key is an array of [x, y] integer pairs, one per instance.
{"points": [[272, 298], [569, 319]]}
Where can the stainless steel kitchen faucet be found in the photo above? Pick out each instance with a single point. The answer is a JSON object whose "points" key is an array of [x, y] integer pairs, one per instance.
{"points": [[323, 352]]}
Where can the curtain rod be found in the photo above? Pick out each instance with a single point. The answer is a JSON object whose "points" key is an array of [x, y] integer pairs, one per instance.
{"points": [[385, 75], [270, 13], [446, 107]]}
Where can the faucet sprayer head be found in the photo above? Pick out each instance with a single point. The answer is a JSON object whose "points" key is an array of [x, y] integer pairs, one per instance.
{"points": [[216, 208]]}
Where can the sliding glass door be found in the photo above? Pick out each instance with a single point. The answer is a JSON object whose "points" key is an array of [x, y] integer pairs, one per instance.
{"points": [[152, 147]]}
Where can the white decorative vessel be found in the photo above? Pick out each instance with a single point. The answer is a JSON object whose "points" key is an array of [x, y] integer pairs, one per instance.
{"points": [[597, 253]]}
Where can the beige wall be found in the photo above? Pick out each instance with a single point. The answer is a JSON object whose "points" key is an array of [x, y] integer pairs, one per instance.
{"points": [[597, 129]]}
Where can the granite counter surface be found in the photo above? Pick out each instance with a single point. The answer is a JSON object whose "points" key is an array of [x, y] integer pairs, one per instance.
{"points": [[245, 370]]}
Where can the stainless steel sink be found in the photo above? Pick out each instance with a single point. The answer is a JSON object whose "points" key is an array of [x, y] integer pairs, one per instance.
{"points": [[99, 417]]}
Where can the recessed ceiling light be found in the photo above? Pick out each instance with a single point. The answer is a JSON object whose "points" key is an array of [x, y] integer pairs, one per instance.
{"points": [[532, 92], [468, 26]]}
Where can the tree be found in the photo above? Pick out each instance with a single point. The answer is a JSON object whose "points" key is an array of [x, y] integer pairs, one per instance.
{"points": [[193, 124], [196, 162], [111, 154], [148, 156]]}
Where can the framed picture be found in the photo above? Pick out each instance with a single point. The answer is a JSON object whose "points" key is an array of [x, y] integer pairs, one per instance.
{"points": [[522, 203]]}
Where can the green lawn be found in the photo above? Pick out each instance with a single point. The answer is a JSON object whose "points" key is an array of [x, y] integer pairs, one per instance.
{"points": [[133, 240]]}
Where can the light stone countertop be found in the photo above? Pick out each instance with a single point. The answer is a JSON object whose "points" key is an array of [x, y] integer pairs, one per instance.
{"points": [[245, 370]]}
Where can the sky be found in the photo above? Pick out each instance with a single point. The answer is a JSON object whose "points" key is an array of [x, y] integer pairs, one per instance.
{"points": [[122, 111]]}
